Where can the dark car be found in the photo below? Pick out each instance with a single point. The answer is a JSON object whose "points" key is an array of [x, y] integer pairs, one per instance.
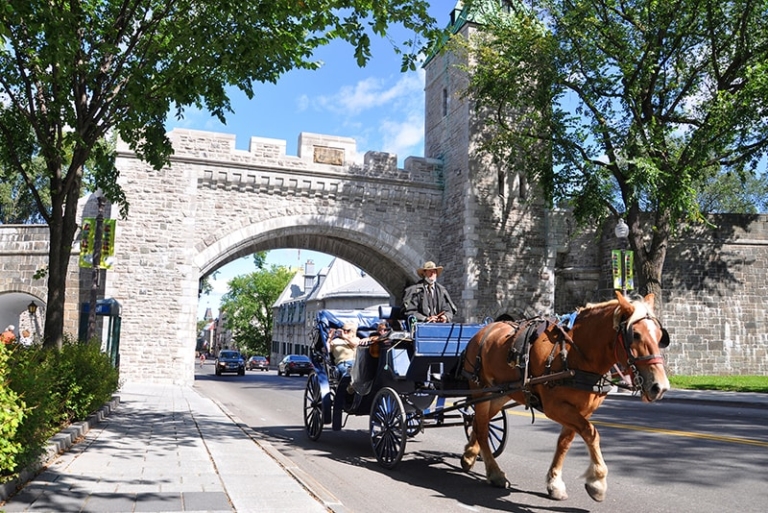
{"points": [[295, 364], [257, 362], [230, 361]]}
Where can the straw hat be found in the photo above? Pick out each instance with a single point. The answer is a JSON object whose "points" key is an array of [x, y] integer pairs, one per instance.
{"points": [[429, 266]]}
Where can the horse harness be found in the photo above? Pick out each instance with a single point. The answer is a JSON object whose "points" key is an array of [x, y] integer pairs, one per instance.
{"points": [[527, 331]]}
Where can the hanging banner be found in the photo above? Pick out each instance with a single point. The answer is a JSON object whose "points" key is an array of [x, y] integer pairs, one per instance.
{"points": [[629, 270], [616, 268], [87, 241], [87, 232], [108, 244]]}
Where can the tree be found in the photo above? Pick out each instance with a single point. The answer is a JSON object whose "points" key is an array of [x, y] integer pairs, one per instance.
{"points": [[637, 100], [74, 72], [248, 306]]}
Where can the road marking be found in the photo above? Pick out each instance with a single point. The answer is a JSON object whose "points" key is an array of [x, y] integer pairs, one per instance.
{"points": [[673, 432]]}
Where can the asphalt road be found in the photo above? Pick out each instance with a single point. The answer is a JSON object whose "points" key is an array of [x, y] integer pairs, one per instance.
{"points": [[663, 457]]}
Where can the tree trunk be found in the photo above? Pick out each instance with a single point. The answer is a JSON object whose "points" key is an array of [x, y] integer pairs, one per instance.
{"points": [[62, 226], [650, 256]]}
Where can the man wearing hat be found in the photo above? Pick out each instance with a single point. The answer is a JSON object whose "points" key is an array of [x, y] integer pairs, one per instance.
{"points": [[427, 300]]}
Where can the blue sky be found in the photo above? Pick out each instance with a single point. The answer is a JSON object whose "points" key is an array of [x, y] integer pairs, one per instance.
{"points": [[378, 106]]}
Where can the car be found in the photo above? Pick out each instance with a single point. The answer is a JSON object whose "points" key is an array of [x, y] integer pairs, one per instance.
{"points": [[295, 364], [257, 362], [230, 361]]}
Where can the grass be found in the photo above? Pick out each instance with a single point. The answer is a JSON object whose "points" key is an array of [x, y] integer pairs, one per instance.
{"points": [[757, 384]]}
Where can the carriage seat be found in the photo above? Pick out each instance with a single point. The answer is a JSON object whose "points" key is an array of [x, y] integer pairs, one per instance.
{"points": [[438, 348]]}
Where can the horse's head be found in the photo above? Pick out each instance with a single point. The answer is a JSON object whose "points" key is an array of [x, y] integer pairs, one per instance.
{"points": [[641, 337]]}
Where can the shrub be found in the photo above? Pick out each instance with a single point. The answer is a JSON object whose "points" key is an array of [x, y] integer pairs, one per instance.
{"points": [[11, 416], [58, 387]]}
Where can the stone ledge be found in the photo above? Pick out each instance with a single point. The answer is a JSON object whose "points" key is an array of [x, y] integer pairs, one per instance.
{"points": [[57, 444]]}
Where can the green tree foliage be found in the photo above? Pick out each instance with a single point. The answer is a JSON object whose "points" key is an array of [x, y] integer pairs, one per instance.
{"points": [[17, 203], [74, 72], [248, 306], [636, 100], [728, 193]]}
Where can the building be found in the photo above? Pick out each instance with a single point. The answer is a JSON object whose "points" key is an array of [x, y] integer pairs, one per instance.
{"points": [[341, 285]]}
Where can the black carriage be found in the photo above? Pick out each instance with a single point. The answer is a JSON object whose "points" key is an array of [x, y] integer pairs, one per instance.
{"points": [[405, 382]]}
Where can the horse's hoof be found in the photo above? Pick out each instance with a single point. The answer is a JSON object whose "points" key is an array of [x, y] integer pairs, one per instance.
{"points": [[467, 464], [557, 495], [596, 491], [498, 481]]}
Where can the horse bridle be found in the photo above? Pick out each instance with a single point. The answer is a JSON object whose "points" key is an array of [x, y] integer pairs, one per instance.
{"points": [[626, 334]]}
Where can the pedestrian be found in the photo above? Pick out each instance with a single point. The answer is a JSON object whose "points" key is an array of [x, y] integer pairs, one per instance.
{"points": [[427, 300], [8, 336]]}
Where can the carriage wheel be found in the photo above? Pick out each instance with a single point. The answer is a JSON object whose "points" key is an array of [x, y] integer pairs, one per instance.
{"points": [[313, 408], [413, 421], [388, 428], [497, 429]]}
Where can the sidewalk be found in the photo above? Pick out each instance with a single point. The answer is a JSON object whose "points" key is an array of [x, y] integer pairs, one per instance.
{"points": [[166, 448]]}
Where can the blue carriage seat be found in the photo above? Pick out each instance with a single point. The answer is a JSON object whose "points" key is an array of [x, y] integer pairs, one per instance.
{"points": [[437, 349]]}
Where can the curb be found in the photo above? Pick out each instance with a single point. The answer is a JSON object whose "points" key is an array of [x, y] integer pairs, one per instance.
{"points": [[56, 445], [310, 484]]}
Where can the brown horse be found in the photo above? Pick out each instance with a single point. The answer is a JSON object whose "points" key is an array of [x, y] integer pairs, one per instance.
{"points": [[564, 378]]}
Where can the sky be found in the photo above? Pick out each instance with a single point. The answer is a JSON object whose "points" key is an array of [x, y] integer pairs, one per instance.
{"points": [[378, 106]]}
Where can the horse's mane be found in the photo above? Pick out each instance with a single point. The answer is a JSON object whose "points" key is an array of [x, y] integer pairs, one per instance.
{"points": [[641, 309]]}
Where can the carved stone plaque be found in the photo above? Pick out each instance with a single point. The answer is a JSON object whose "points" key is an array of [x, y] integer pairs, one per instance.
{"points": [[326, 155]]}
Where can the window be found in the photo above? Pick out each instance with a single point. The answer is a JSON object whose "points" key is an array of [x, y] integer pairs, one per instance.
{"points": [[445, 101]]}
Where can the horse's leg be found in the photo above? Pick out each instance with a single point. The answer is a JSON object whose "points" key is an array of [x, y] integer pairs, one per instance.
{"points": [[484, 412], [555, 484], [471, 450], [596, 474]]}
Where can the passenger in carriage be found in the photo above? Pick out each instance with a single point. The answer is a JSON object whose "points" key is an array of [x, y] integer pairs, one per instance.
{"points": [[382, 330], [427, 300], [343, 344]]}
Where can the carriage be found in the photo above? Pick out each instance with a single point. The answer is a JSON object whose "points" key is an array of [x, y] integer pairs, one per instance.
{"points": [[423, 375], [405, 382]]}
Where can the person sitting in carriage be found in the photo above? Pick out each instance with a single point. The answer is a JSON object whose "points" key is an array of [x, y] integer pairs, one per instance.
{"points": [[427, 300], [343, 344]]}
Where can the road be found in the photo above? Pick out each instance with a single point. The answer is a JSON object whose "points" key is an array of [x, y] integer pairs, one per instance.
{"points": [[673, 457]]}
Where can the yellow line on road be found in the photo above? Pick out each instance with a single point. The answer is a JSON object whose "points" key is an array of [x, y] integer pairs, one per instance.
{"points": [[673, 432]]}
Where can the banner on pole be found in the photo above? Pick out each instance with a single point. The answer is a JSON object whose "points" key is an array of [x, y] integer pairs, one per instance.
{"points": [[87, 241], [629, 270], [616, 268]]}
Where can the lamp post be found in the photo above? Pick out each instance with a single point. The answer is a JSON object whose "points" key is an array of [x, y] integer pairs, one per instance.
{"points": [[622, 261], [96, 272], [32, 310]]}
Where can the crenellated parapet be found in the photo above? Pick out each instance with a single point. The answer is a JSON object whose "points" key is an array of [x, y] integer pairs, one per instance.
{"points": [[322, 155]]}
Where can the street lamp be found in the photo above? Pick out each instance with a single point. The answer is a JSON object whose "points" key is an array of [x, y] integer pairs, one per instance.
{"points": [[622, 261], [32, 309]]}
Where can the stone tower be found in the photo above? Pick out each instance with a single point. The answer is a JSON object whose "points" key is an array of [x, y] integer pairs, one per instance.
{"points": [[497, 247]]}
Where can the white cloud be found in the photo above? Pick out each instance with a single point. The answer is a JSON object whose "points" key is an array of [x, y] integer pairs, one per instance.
{"points": [[403, 138], [373, 93]]}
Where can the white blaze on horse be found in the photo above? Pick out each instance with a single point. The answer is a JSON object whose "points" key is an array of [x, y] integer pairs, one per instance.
{"points": [[561, 371]]}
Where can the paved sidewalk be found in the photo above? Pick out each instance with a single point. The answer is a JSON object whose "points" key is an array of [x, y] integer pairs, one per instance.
{"points": [[166, 448]]}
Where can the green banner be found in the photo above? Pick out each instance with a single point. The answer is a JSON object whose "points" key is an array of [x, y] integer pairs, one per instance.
{"points": [[87, 240], [629, 270], [623, 269], [616, 268]]}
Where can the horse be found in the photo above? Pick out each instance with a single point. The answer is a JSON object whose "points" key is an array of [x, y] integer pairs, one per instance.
{"points": [[563, 372]]}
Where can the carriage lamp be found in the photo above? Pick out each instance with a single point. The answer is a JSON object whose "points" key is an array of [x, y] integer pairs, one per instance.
{"points": [[32, 308]]}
